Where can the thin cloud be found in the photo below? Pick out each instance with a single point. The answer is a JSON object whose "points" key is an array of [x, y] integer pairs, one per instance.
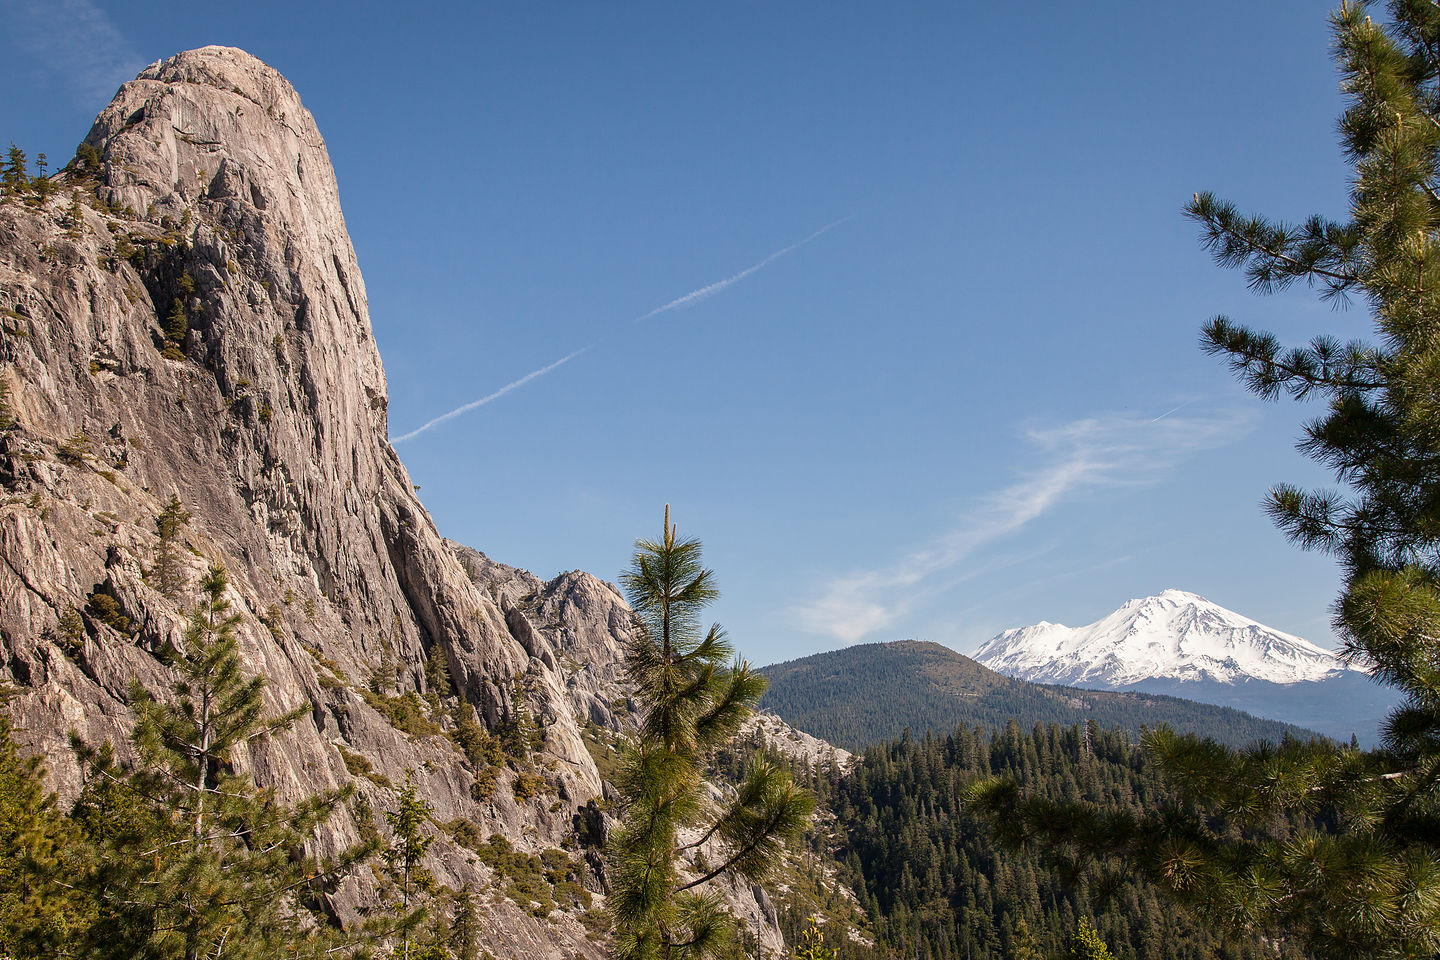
{"points": [[1173, 410], [708, 291], [1080, 456], [474, 404], [689, 299], [78, 46]]}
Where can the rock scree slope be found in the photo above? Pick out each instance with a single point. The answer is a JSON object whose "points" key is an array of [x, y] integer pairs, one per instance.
{"points": [[201, 331]]}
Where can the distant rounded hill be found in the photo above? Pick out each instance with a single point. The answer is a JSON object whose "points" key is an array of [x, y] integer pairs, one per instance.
{"points": [[871, 693]]}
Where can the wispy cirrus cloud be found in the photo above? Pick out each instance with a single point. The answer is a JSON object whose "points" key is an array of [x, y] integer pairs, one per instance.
{"points": [[76, 46], [1075, 458], [688, 300], [709, 290], [475, 404]]}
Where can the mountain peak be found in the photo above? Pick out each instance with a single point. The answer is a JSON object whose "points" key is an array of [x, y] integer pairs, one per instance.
{"points": [[1175, 635]]}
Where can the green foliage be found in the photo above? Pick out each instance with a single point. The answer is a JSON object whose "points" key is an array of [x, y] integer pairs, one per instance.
{"points": [[1330, 847], [537, 883], [437, 677], [926, 867], [177, 326], [480, 747], [39, 912], [812, 945], [75, 217], [105, 608], [87, 160], [1087, 945], [404, 858], [405, 712], [519, 734], [7, 412], [358, 766], [71, 628], [527, 786], [75, 449], [14, 177], [187, 858], [871, 693], [168, 573], [465, 927], [692, 704], [1023, 945]]}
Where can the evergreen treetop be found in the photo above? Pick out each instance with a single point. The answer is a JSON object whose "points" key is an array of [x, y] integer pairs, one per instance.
{"points": [[692, 702]]}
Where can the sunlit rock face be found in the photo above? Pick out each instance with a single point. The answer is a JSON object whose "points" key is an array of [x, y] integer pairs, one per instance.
{"points": [[267, 418]]}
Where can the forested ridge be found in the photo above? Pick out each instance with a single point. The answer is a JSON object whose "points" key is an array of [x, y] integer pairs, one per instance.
{"points": [[872, 693], [935, 885]]}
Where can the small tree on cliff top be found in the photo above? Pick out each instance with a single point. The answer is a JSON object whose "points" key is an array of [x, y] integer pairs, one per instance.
{"points": [[692, 703]]}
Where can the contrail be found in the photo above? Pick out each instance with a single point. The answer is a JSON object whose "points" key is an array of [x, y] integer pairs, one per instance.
{"points": [[705, 292], [1173, 410], [486, 399], [694, 296]]}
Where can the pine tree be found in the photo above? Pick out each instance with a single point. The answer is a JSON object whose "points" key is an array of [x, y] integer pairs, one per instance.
{"points": [[403, 859], [1358, 879], [74, 217], [190, 860], [41, 184], [1087, 945], [691, 704], [168, 573], [14, 177], [437, 677], [177, 326], [465, 927], [1024, 946], [39, 911], [812, 944]]}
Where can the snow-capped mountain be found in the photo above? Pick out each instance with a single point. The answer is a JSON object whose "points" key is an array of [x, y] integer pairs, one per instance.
{"points": [[1174, 636], [1183, 645]]}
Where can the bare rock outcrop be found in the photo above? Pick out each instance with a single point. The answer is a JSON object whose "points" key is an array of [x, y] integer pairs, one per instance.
{"points": [[185, 318]]}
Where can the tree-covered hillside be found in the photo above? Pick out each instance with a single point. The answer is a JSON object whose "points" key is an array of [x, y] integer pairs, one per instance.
{"points": [[872, 693], [937, 886]]}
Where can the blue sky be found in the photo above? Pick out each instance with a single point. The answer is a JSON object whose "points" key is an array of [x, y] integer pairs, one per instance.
{"points": [[975, 401]]}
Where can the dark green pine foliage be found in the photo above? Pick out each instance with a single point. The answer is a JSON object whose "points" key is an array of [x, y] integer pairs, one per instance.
{"points": [[190, 860], [692, 703], [404, 862], [1359, 876], [465, 927], [936, 884], [168, 573], [14, 177], [74, 216], [39, 848], [177, 326]]}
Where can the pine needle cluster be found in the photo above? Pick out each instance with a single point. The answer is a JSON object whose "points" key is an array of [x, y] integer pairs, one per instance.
{"points": [[692, 703]]}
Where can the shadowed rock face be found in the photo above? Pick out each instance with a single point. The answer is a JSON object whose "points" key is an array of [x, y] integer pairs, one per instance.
{"points": [[271, 429]]}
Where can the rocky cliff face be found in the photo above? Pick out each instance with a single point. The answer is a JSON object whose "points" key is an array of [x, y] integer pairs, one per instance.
{"points": [[186, 317]]}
